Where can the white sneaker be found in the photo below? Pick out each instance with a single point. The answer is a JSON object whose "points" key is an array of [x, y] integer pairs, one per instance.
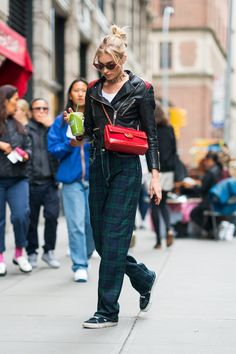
{"points": [[222, 229], [32, 258], [230, 232], [3, 269], [81, 276], [95, 254], [50, 259], [23, 264]]}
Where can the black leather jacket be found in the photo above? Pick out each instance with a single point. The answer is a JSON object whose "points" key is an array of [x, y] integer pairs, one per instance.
{"points": [[132, 107]]}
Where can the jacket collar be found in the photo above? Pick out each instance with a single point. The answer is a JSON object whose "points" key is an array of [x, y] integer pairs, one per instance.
{"points": [[125, 90]]}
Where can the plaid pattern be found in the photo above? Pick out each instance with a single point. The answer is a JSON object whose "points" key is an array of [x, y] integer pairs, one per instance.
{"points": [[115, 183]]}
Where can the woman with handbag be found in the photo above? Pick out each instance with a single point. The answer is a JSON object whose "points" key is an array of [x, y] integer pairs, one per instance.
{"points": [[124, 101]]}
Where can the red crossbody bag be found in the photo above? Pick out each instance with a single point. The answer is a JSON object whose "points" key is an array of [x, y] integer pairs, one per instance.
{"points": [[125, 140]]}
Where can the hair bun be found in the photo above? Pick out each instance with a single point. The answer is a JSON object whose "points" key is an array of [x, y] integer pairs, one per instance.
{"points": [[119, 32]]}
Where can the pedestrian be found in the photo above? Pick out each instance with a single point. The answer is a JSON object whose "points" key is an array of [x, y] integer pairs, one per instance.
{"points": [[167, 149], [115, 178], [22, 112], [14, 184], [212, 175], [43, 187], [73, 172]]}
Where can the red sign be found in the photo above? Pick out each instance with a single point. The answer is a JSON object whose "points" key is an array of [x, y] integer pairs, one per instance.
{"points": [[15, 62]]}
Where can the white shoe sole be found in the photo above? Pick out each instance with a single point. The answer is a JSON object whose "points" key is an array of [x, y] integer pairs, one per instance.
{"points": [[151, 294], [80, 280], [21, 269], [99, 325], [51, 265]]}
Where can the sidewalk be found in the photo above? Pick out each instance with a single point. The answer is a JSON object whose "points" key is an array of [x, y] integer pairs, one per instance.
{"points": [[193, 312]]}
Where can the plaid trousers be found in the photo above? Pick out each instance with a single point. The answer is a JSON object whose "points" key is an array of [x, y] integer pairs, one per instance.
{"points": [[115, 183]]}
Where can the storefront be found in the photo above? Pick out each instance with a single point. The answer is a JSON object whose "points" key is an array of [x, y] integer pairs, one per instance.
{"points": [[15, 63]]}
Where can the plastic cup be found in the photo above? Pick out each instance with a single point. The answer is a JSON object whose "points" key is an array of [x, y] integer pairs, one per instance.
{"points": [[76, 122]]}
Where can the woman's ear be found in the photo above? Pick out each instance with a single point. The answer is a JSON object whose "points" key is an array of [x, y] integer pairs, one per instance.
{"points": [[123, 59]]}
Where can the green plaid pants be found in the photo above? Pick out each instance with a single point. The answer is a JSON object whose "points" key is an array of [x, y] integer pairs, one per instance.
{"points": [[115, 183]]}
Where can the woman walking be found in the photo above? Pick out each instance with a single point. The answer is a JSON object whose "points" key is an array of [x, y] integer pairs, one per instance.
{"points": [[115, 178], [167, 148]]}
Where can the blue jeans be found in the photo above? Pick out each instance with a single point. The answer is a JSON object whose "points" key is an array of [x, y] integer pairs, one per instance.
{"points": [[76, 208], [15, 192]]}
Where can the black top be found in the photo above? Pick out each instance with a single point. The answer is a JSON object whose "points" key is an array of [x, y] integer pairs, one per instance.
{"points": [[167, 147], [42, 165]]}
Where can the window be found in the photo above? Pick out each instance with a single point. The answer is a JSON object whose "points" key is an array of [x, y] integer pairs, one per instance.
{"points": [[165, 3], [166, 55], [18, 16], [101, 5], [57, 25], [83, 59], [114, 10]]}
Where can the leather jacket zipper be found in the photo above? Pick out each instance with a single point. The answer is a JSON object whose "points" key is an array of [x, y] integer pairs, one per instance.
{"points": [[121, 105], [131, 103]]}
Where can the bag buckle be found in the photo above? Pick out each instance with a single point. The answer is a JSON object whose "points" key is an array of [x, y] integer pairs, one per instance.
{"points": [[128, 135]]}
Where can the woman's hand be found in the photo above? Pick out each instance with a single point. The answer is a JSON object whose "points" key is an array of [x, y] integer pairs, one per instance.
{"points": [[79, 138], [66, 115], [155, 187], [6, 147]]}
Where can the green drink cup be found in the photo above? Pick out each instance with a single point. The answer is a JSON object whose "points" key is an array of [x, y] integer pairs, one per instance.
{"points": [[76, 122]]}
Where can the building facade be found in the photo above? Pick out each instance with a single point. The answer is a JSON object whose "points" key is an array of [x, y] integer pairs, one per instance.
{"points": [[63, 35], [197, 42], [232, 122]]}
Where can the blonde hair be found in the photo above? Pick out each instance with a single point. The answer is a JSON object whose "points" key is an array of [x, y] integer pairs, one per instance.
{"points": [[114, 44], [24, 106]]}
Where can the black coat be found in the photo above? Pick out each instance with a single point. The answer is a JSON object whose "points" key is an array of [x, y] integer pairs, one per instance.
{"points": [[43, 165], [132, 107], [15, 139], [167, 147]]}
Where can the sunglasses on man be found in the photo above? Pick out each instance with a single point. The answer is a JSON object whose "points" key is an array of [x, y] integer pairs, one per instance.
{"points": [[45, 109], [108, 66]]}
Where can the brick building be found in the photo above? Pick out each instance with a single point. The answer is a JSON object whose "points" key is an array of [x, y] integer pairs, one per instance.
{"points": [[197, 43], [62, 36]]}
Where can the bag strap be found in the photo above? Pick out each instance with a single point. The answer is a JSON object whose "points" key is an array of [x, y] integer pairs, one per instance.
{"points": [[106, 114]]}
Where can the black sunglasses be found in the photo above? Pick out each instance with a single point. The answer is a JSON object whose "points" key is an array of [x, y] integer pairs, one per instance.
{"points": [[108, 66], [40, 108]]}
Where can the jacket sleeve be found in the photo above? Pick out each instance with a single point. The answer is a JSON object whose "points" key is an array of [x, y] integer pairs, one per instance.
{"points": [[148, 124], [88, 121], [58, 144], [27, 146]]}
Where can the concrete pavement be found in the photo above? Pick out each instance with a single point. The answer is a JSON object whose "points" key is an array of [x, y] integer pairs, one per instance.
{"points": [[193, 312]]}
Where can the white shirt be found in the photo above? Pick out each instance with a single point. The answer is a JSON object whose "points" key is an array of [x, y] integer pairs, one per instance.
{"points": [[108, 96]]}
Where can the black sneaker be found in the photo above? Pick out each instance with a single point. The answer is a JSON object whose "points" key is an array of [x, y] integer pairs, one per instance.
{"points": [[145, 300], [99, 322]]}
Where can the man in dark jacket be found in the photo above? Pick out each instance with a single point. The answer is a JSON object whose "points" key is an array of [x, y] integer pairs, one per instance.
{"points": [[43, 188], [213, 174]]}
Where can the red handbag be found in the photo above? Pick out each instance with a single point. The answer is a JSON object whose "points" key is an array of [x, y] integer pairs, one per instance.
{"points": [[125, 140]]}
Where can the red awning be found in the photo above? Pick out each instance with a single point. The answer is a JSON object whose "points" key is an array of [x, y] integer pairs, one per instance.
{"points": [[15, 63]]}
